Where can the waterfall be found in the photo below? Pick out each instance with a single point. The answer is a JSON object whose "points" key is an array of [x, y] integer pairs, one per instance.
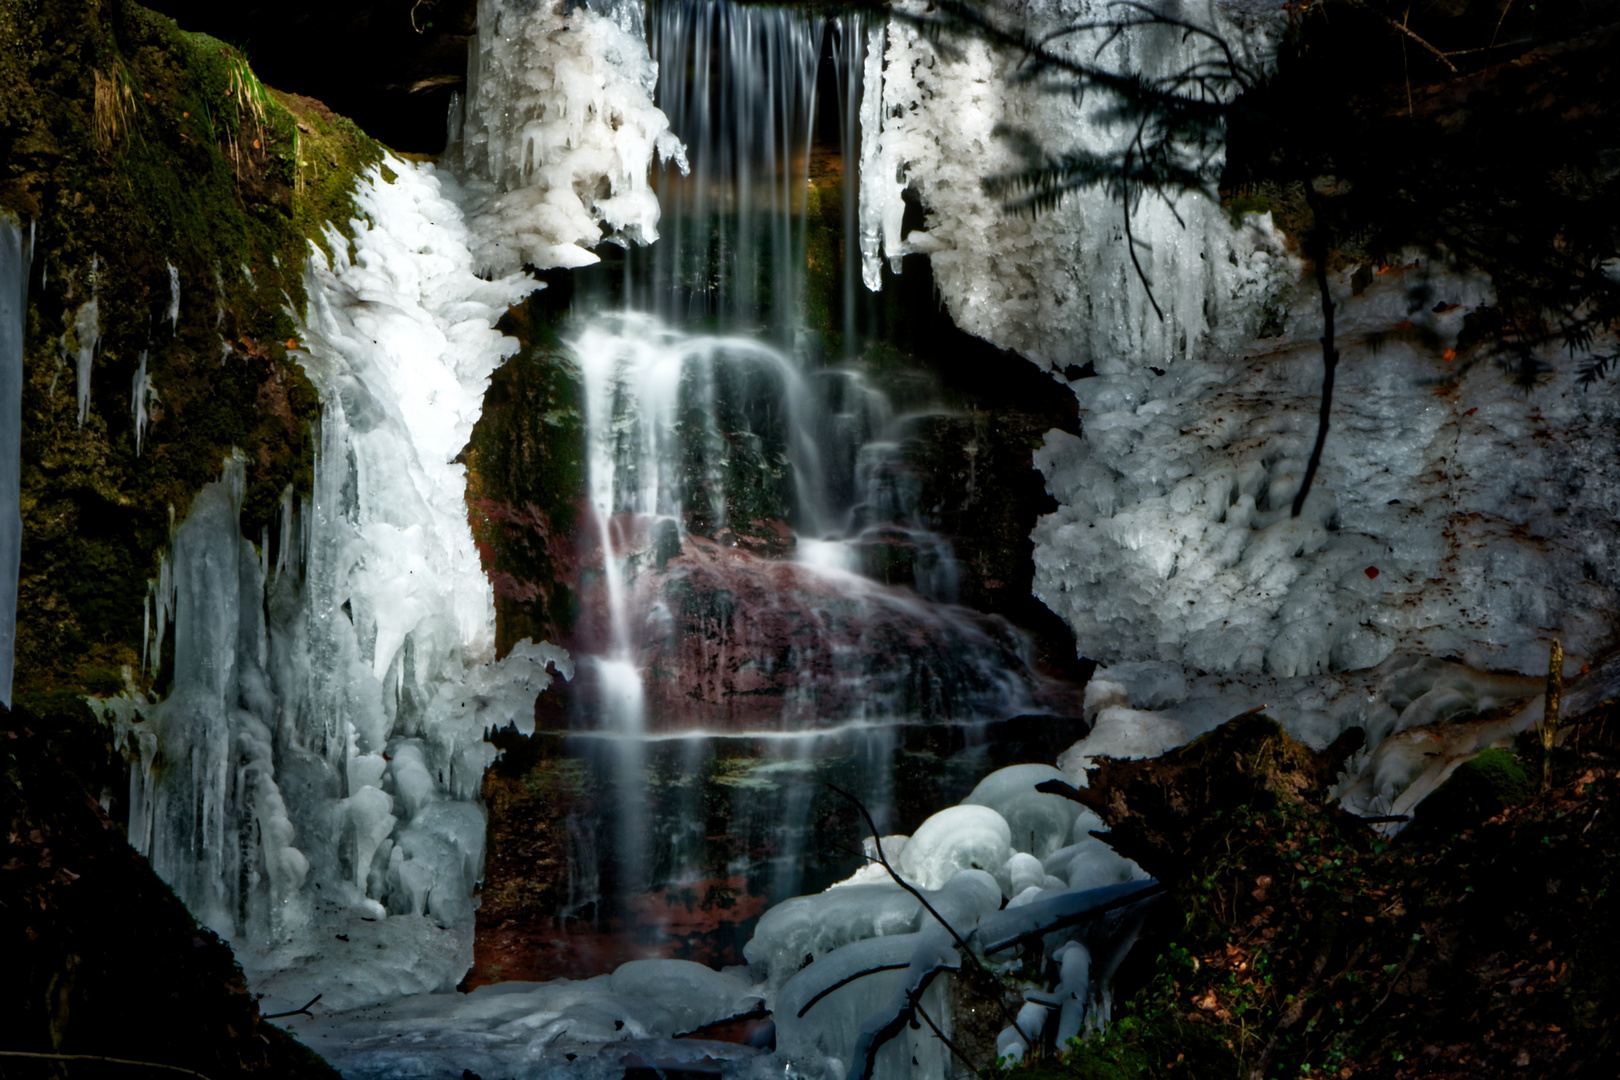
{"points": [[749, 498], [738, 83], [16, 255], [766, 607]]}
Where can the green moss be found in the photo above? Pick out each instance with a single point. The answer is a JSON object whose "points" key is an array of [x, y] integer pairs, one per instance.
{"points": [[135, 146], [1480, 788], [824, 261], [524, 470]]}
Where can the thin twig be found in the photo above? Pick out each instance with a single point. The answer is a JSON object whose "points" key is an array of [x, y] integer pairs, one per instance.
{"points": [[296, 1012], [846, 980], [1507, 7], [1438, 55], [104, 1060], [917, 1005], [1330, 353], [1130, 239], [967, 951]]}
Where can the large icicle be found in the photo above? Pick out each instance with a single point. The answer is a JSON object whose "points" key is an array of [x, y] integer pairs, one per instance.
{"points": [[323, 741], [559, 133], [86, 331], [15, 256]]}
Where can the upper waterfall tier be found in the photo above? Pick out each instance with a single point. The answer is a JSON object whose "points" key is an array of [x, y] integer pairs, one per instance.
{"points": [[558, 134]]}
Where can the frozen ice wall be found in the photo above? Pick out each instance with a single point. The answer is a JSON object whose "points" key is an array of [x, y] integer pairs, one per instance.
{"points": [[1058, 288], [559, 133], [1455, 513], [15, 250], [308, 786]]}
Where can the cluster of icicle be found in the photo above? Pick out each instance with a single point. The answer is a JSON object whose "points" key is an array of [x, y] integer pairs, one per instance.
{"points": [[559, 133], [309, 784], [941, 115]]}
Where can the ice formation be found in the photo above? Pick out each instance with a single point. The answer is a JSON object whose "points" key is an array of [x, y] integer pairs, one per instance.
{"points": [[1453, 515], [559, 133], [86, 338], [959, 838], [590, 1028], [173, 314], [322, 745], [1118, 731], [16, 252], [844, 970], [142, 394], [1044, 821], [1059, 288]]}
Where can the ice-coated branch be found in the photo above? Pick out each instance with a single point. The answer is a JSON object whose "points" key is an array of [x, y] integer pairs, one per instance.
{"points": [[875, 1034], [961, 944], [1007, 929]]}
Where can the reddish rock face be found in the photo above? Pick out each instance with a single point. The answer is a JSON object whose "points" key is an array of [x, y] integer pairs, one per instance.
{"points": [[733, 641]]}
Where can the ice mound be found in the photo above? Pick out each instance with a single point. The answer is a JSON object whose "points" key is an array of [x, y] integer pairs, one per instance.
{"points": [[309, 786], [955, 839], [559, 133], [848, 972], [831, 1011], [1039, 823], [533, 1029], [1119, 732], [1059, 288], [807, 928]]}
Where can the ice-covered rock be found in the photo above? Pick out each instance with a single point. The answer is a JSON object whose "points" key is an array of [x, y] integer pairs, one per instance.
{"points": [[1454, 514], [590, 1028], [807, 928], [955, 839], [1119, 732], [560, 133], [1039, 823]]}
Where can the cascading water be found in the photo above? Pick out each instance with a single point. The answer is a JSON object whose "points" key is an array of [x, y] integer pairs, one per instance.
{"points": [[749, 497]]}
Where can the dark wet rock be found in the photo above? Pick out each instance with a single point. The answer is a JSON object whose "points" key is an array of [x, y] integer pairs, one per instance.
{"points": [[1164, 812], [101, 958]]}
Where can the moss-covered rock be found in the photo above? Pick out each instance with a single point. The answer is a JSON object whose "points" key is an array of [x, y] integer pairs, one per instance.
{"points": [[1300, 943], [1480, 788], [525, 477], [149, 160]]}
